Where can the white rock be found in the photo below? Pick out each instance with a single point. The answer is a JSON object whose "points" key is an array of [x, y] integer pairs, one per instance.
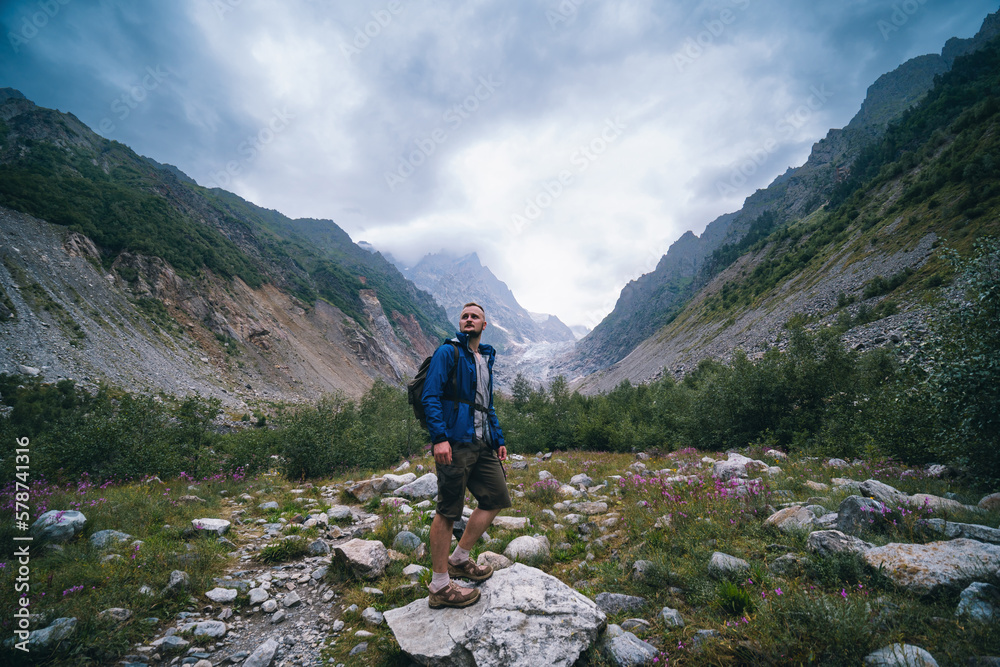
{"points": [[221, 595], [525, 617], [527, 547]]}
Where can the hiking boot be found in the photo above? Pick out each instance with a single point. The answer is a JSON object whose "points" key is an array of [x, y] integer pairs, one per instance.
{"points": [[453, 595], [469, 570]]}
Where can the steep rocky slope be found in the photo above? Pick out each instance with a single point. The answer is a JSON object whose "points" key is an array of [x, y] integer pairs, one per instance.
{"points": [[650, 302], [116, 267], [874, 260]]}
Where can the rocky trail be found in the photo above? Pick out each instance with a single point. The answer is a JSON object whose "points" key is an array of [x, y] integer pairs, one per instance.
{"points": [[286, 614]]}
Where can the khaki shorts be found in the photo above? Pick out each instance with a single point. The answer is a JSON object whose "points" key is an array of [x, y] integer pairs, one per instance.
{"points": [[474, 466]]}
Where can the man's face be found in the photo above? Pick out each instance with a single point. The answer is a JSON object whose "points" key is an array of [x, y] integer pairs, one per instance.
{"points": [[472, 321]]}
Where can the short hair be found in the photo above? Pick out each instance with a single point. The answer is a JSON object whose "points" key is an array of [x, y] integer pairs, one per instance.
{"points": [[473, 303]]}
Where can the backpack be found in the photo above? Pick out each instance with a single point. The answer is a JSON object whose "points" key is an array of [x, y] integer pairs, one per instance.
{"points": [[415, 388]]}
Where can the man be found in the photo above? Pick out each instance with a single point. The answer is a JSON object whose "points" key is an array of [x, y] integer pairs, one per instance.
{"points": [[468, 449]]}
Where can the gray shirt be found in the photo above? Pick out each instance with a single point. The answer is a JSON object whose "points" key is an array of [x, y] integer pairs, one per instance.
{"points": [[480, 419]]}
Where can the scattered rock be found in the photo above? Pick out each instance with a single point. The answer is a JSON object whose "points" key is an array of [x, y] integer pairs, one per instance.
{"points": [[107, 538], [581, 480], [791, 518], [885, 494], [818, 487], [221, 595], [270, 505], [179, 581], [318, 548], [900, 655], [722, 566], [116, 614], [990, 502], [951, 530], [58, 526], [291, 600], [217, 526], [526, 547], [423, 487], [406, 541], [857, 513], [263, 655], [925, 568], [367, 559], [494, 560], [623, 649], [789, 565], [980, 602], [258, 595], [826, 542], [393, 482], [372, 616], [613, 603], [671, 618], [525, 617], [512, 522]]}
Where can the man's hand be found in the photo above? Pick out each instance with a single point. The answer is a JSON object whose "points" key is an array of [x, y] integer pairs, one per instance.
{"points": [[442, 453], [502, 452]]}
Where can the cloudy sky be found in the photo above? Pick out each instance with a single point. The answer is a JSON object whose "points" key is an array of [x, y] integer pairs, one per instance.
{"points": [[568, 142]]}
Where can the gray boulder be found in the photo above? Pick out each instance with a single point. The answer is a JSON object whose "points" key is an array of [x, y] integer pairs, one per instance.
{"points": [[826, 542], [367, 559], [179, 581], [990, 502], [372, 616], [980, 602], [339, 512], [214, 629], [108, 538], [926, 568], [623, 649], [582, 479], [791, 518], [613, 603], [671, 618], [722, 566], [263, 655], [269, 505], [900, 655], [116, 614], [951, 530], [872, 488], [318, 548], [222, 595], [494, 560], [423, 487], [215, 526], [527, 547], [736, 465], [393, 482], [258, 595], [857, 513], [58, 526], [405, 541], [525, 617]]}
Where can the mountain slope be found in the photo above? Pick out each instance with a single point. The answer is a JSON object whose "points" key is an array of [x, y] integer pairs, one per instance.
{"points": [[454, 281], [183, 276], [650, 302], [871, 259]]}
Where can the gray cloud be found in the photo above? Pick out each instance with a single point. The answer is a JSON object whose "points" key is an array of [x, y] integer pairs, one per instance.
{"points": [[420, 127]]}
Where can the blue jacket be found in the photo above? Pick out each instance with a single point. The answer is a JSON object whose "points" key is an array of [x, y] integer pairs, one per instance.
{"points": [[446, 419]]}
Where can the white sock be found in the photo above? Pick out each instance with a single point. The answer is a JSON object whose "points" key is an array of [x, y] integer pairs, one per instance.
{"points": [[438, 581], [459, 556]]}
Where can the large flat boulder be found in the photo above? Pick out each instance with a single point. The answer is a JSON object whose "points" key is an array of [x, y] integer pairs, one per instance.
{"points": [[926, 568], [423, 487], [524, 618]]}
